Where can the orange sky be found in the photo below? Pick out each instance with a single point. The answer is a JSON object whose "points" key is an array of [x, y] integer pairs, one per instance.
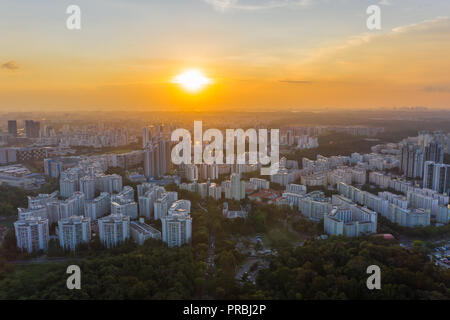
{"points": [[405, 65]]}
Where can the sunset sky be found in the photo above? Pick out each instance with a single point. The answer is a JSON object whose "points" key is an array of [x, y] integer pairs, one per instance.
{"points": [[258, 54]]}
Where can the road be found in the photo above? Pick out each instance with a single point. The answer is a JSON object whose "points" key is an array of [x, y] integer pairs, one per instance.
{"points": [[210, 260], [246, 267], [203, 208], [44, 260]]}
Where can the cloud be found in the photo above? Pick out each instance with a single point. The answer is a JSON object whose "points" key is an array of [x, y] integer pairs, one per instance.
{"points": [[385, 2], [10, 65], [424, 25], [438, 89], [223, 5], [408, 58], [296, 81]]}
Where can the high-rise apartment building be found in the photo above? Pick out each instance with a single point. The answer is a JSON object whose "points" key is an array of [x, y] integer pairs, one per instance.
{"points": [[237, 187], [114, 230], [87, 186], [67, 187], [126, 207], [98, 207], [32, 234], [434, 151], [411, 161], [32, 128], [215, 191], [52, 168], [437, 177], [157, 158], [177, 225], [148, 194], [145, 137], [162, 205], [12, 127], [74, 231]]}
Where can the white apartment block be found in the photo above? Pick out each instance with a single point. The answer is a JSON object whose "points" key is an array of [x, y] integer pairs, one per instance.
{"points": [[260, 184], [284, 176], [399, 201], [114, 230], [315, 180], [207, 171], [314, 206], [407, 217], [191, 172], [379, 179], [401, 185], [98, 207], [127, 193], [42, 199], [296, 188], [108, 183], [192, 187], [339, 175], [359, 176], [67, 187], [177, 225], [32, 234], [293, 199], [87, 186], [202, 190], [148, 193], [215, 191], [162, 204], [74, 231], [63, 209], [387, 205], [237, 187], [443, 214], [348, 219], [37, 211], [424, 201], [141, 232], [124, 207]]}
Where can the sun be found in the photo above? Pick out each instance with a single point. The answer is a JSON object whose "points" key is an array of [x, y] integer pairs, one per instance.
{"points": [[192, 80]]}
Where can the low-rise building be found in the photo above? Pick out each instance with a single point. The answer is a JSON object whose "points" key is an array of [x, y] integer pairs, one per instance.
{"points": [[141, 232]]}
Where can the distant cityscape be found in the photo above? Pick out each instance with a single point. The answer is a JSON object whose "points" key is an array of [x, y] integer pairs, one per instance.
{"points": [[414, 183]]}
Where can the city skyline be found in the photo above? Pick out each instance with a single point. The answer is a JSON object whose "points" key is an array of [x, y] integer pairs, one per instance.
{"points": [[259, 55]]}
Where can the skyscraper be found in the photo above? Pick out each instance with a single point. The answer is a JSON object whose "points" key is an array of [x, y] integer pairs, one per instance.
{"points": [[437, 177], [428, 170], [12, 127], [32, 128], [441, 178], [145, 137], [157, 158], [411, 161], [434, 151], [237, 187]]}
